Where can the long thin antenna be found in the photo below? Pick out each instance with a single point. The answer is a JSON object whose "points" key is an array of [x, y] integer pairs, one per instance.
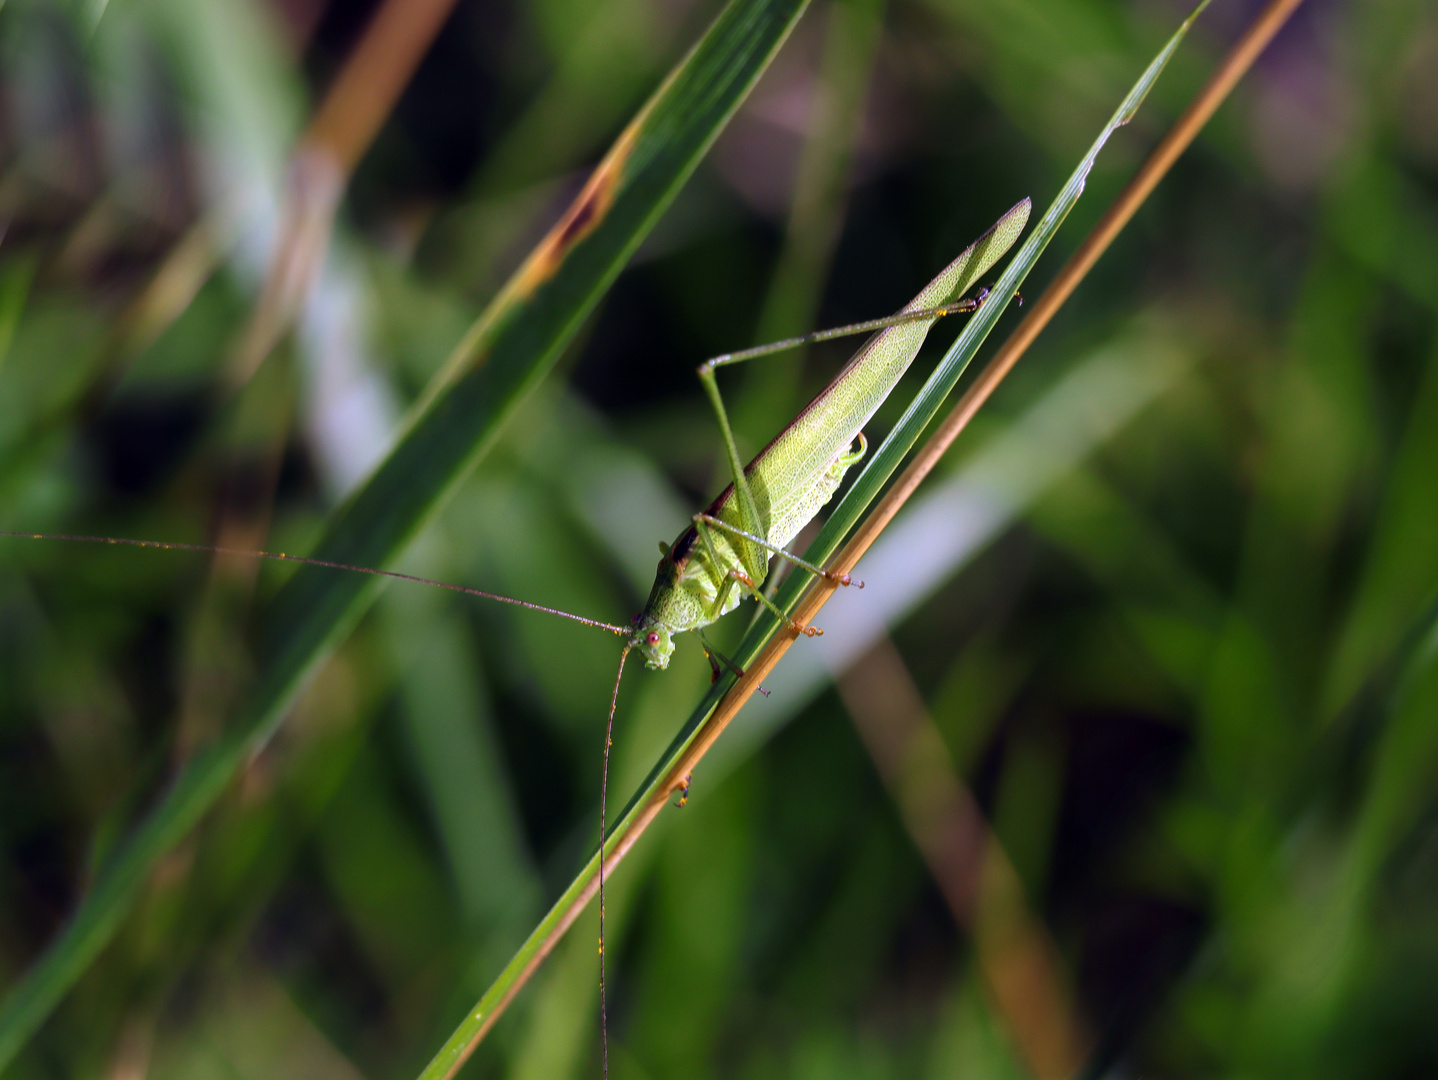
{"points": [[603, 825], [280, 556]]}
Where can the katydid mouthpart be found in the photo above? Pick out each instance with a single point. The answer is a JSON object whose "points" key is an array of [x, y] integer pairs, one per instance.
{"points": [[725, 552]]}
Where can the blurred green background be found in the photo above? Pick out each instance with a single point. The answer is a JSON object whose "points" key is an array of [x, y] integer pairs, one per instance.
{"points": [[1128, 754]]}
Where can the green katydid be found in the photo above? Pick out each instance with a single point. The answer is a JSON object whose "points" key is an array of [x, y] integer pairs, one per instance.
{"points": [[725, 552]]}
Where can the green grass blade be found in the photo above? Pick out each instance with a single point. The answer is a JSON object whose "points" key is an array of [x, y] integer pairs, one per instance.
{"points": [[15, 280], [881, 466], [506, 354]]}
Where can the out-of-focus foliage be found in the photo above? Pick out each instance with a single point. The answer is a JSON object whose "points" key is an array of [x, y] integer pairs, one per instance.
{"points": [[1171, 614]]}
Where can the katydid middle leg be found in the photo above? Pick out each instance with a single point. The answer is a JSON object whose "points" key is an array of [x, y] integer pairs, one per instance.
{"points": [[706, 521], [739, 575]]}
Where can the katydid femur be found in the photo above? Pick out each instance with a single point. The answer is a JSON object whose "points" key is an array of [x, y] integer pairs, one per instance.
{"points": [[725, 552]]}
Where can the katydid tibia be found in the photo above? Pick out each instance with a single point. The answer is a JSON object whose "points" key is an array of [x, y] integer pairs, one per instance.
{"points": [[726, 551]]}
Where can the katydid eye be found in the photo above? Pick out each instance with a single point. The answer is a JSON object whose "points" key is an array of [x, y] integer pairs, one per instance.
{"points": [[652, 638]]}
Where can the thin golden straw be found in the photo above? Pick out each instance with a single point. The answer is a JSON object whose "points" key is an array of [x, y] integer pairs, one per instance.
{"points": [[1238, 61]]}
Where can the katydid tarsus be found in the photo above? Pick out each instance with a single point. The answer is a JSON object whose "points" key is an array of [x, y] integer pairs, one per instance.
{"points": [[725, 553]]}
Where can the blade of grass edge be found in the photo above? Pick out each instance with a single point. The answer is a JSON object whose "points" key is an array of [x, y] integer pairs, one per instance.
{"points": [[510, 348], [697, 731]]}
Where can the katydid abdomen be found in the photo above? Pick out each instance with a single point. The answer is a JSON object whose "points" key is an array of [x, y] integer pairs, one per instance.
{"points": [[719, 558]]}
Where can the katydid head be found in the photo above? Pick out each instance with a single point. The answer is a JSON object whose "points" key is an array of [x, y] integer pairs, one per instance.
{"points": [[652, 639]]}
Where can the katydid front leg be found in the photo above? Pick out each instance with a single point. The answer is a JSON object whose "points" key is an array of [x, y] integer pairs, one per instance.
{"points": [[737, 575]]}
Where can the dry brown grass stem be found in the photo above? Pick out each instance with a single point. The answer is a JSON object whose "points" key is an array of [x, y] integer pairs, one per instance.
{"points": [[373, 77], [341, 130], [361, 97], [1238, 60], [1014, 952]]}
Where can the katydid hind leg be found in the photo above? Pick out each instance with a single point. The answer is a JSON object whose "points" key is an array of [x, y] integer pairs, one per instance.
{"points": [[868, 326], [752, 525]]}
